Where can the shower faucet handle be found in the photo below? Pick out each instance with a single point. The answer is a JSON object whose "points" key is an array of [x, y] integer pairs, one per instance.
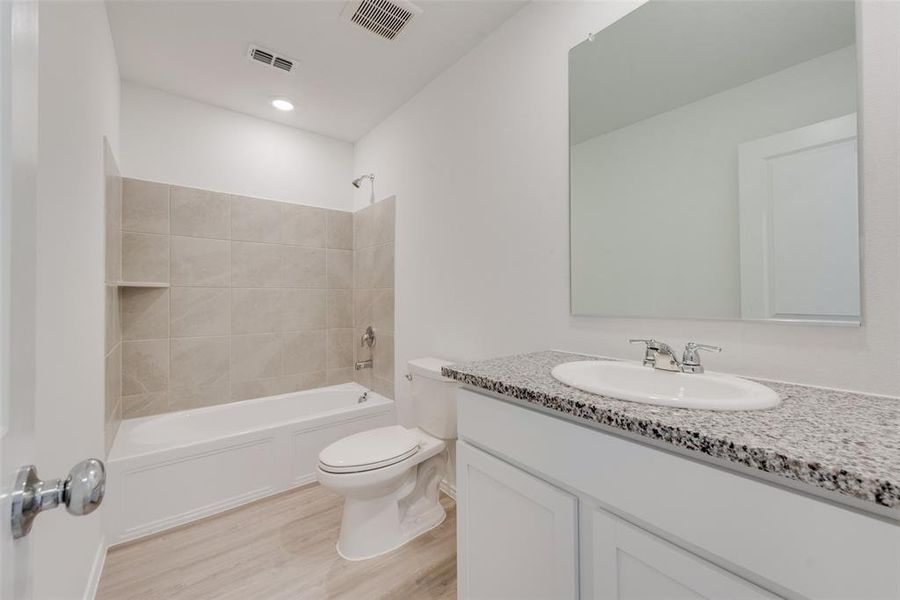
{"points": [[368, 338]]}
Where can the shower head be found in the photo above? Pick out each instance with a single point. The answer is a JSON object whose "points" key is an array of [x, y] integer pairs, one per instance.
{"points": [[358, 181]]}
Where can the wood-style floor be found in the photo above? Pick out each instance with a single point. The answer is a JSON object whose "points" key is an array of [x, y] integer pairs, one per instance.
{"points": [[279, 547]]}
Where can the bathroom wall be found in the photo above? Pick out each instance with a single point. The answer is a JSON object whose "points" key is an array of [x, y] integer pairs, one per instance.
{"points": [[78, 105], [479, 159], [184, 142], [373, 293], [113, 202], [637, 161], [257, 298]]}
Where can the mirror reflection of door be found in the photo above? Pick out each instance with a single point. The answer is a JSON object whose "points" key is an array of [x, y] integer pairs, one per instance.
{"points": [[799, 221]]}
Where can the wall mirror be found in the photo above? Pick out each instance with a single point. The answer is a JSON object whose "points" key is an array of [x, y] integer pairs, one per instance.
{"points": [[713, 163]]}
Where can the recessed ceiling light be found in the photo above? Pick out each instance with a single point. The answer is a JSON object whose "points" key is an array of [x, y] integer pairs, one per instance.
{"points": [[282, 104]]}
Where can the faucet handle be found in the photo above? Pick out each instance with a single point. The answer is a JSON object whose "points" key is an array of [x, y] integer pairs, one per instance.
{"points": [[650, 343], [651, 346], [690, 360]]}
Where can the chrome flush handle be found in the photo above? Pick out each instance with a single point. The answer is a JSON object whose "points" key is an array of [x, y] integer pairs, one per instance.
{"points": [[82, 492]]}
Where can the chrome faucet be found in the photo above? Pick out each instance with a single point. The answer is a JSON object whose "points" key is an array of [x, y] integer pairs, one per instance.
{"points": [[660, 355]]}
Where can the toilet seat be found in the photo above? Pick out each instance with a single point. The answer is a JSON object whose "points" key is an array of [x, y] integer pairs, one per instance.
{"points": [[369, 450]]}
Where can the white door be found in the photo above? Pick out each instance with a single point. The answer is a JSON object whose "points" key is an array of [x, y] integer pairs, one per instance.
{"points": [[517, 535], [799, 224], [18, 160], [623, 562]]}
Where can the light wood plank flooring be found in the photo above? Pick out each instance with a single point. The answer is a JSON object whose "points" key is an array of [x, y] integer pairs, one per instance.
{"points": [[279, 547]]}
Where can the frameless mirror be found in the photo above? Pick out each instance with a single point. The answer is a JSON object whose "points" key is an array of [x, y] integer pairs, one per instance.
{"points": [[713, 163]]}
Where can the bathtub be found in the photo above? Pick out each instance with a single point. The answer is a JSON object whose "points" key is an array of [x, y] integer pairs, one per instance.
{"points": [[169, 469]]}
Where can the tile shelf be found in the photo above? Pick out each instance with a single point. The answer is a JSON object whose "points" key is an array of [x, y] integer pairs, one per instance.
{"points": [[142, 284]]}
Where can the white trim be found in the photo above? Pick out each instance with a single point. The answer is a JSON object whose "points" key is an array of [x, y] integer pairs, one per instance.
{"points": [[448, 489], [90, 591]]}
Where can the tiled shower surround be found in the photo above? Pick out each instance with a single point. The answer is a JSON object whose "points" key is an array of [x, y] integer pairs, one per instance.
{"points": [[259, 297], [373, 292]]}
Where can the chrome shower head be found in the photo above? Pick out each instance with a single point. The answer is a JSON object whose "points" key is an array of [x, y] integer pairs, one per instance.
{"points": [[358, 181]]}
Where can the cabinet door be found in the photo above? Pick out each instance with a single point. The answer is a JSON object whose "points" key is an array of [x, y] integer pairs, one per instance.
{"points": [[624, 562], [517, 535]]}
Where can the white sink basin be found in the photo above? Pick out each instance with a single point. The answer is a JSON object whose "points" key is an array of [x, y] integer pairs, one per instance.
{"points": [[636, 383]]}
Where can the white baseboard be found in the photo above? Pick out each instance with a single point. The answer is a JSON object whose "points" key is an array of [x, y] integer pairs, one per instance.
{"points": [[448, 489], [90, 591]]}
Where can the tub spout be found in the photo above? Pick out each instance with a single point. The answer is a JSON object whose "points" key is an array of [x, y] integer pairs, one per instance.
{"points": [[363, 364]]}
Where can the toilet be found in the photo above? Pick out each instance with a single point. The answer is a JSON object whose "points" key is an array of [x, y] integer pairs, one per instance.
{"points": [[389, 476]]}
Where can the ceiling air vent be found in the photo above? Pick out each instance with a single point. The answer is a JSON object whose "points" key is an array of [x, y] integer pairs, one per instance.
{"points": [[384, 18], [267, 57]]}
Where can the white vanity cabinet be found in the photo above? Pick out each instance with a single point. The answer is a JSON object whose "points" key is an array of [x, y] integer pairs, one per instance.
{"points": [[518, 533], [551, 509]]}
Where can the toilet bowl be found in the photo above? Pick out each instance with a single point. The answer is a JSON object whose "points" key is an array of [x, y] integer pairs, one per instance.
{"points": [[390, 476]]}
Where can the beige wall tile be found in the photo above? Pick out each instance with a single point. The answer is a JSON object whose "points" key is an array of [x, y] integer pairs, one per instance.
{"points": [[383, 359], [145, 313], [383, 387], [339, 309], [260, 388], [197, 311], [303, 309], [303, 267], [145, 257], [144, 405], [145, 206], [338, 376], [113, 325], [256, 356], [145, 366], [374, 307], [255, 220], [303, 381], [113, 390], [363, 227], [363, 265], [198, 362], [339, 348], [200, 262], [339, 230], [304, 352], [339, 269], [198, 396], [256, 310], [255, 265], [363, 377], [303, 225], [383, 266], [200, 213]]}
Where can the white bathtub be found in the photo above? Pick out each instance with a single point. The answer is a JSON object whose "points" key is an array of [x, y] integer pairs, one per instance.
{"points": [[169, 469]]}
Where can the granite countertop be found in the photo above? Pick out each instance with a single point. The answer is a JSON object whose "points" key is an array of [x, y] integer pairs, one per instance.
{"points": [[844, 443]]}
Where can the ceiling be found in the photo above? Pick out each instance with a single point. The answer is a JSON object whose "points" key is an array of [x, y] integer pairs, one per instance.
{"points": [[348, 79], [668, 54]]}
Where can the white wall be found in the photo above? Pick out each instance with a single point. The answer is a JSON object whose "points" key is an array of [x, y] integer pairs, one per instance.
{"points": [[176, 140], [78, 105], [479, 163], [674, 177]]}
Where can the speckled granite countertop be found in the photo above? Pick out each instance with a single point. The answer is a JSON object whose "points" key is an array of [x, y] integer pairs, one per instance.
{"points": [[845, 443]]}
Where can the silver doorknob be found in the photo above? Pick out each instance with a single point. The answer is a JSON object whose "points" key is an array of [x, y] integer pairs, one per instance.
{"points": [[82, 492]]}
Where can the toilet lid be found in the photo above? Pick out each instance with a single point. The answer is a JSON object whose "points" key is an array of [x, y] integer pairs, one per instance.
{"points": [[369, 450]]}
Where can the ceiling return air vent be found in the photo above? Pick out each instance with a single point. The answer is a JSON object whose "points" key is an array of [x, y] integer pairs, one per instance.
{"points": [[267, 57], [385, 18]]}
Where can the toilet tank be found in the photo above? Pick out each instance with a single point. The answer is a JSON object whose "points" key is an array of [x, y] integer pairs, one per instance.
{"points": [[433, 397]]}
